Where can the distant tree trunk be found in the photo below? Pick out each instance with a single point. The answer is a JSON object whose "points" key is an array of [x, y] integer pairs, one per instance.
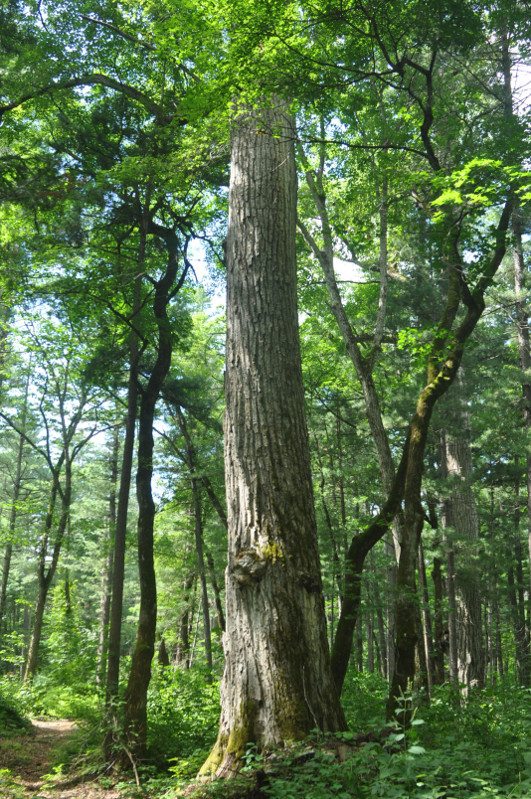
{"points": [[17, 486], [369, 626], [162, 655], [215, 588], [358, 648], [5, 313], [6, 567], [135, 711], [198, 531], [392, 515], [198, 527], [441, 643], [182, 652], [450, 582], [516, 596], [427, 637], [277, 683], [105, 605], [47, 566]]}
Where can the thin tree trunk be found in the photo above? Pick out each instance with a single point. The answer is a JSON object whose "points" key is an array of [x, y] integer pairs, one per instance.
{"points": [[441, 642], [198, 531], [105, 605], [182, 652], [363, 366], [48, 566], [215, 589], [516, 596], [427, 638], [198, 528], [115, 624], [135, 710], [17, 486]]}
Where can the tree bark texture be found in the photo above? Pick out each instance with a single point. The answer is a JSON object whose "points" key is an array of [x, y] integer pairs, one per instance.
{"points": [[277, 682], [522, 302], [463, 520]]}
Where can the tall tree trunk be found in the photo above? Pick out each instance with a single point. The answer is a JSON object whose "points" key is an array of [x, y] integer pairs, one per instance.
{"points": [[6, 567], [277, 682], [427, 636], [215, 589], [17, 485], [441, 641], [115, 623], [515, 582], [198, 532], [198, 528], [521, 305], [524, 351]]}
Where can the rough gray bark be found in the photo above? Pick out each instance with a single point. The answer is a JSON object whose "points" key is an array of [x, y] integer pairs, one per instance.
{"points": [[463, 519], [277, 682]]}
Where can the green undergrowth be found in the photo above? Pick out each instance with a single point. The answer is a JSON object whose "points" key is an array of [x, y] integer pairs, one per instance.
{"points": [[480, 749], [12, 718], [183, 714], [455, 749]]}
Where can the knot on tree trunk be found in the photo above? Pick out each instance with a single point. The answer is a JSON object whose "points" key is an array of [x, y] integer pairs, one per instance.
{"points": [[249, 564]]}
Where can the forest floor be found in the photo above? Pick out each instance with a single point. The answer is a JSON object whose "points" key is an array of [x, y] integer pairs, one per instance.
{"points": [[31, 760]]}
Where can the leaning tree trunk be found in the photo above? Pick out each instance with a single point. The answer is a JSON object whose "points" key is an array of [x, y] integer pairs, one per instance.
{"points": [[135, 712], [277, 683]]}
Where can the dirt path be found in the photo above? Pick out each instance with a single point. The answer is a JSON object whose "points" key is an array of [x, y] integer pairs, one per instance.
{"points": [[29, 757]]}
